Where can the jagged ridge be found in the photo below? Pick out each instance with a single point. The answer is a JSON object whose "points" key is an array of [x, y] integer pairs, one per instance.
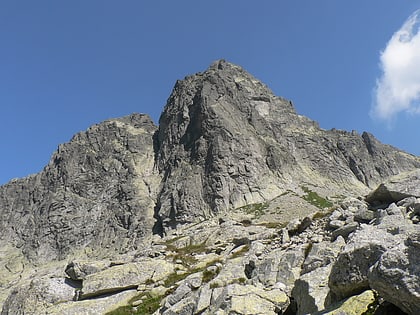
{"points": [[224, 141]]}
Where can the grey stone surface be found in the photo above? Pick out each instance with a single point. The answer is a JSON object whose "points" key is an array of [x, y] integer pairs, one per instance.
{"points": [[399, 187], [311, 291], [98, 190], [396, 275], [349, 274]]}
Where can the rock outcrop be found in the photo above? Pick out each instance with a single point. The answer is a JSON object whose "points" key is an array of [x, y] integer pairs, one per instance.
{"points": [[233, 204], [225, 141]]}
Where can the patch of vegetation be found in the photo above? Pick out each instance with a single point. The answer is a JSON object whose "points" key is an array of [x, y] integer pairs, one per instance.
{"points": [[173, 240], [176, 277], [214, 285], [256, 209], [148, 306], [186, 254], [314, 199], [209, 275], [241, 280], [246, 222]]}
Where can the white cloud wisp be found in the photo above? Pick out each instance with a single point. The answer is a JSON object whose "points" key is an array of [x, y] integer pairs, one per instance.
{"points": [[398, 89]]}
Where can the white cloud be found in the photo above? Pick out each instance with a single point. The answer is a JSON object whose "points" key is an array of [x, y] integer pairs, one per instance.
{"points": [[398, 89]]}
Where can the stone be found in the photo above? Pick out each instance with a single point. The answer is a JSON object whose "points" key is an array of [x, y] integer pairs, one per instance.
{"points": [[37, 295], [280, 266], [345, 230], [349, 274], [123, 277], [355, 305], [396, 275], [335, 224], [364, 216], [204, 298], [311, 291], [101, 305], [248, 299], [78, 270], [396, 188], [183, 307], [232, 271], [322, 254]]}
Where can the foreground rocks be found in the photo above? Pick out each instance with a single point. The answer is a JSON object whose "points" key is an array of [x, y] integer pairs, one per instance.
{"points": [[209, 269]]}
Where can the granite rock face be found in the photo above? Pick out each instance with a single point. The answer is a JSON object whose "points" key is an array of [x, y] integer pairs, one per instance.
{"points": [[98, 191], [225, 141], [233, 204]]}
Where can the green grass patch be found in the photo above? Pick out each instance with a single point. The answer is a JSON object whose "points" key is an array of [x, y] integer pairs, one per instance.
{"points": [[314, 199], [209, 275], [186, 254], [148, 306], [255, 209]]}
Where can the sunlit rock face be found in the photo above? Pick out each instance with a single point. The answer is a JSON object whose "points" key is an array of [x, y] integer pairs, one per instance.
{"points": [[234, 203]]}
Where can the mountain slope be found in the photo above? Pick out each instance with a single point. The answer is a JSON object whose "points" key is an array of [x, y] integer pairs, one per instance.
{"points": [[224, 141]]}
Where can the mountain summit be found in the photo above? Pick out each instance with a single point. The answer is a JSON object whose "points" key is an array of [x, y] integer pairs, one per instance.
{"points": [[226, 150], [224, 141]]}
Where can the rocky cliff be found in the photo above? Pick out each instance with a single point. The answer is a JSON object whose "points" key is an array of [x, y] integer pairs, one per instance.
{"points": [[231, 196]]}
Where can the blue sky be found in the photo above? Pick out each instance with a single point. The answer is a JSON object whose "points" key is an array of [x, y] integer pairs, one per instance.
{"points": [[65, 65]]}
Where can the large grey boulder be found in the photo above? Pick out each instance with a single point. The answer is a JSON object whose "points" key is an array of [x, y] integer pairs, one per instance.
{"points": [[396, 275], [406, 184], [349, 274], [37, 295], [249, 300], [126, 276], [322, 254], [280, 266], [311, 292]]}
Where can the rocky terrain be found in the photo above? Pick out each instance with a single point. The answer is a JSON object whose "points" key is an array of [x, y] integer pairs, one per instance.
{"points": [[234, 204]]}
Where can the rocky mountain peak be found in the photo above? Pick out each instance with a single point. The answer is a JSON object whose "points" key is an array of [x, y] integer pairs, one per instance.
{"points": [[231, 167], [225, 141]]}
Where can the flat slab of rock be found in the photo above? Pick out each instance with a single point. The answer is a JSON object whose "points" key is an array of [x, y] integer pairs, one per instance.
{"points": [[397, 188], [125, 276]]}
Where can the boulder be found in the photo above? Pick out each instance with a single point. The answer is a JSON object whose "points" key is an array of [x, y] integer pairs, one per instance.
{"points": [[280, 266], [35, 296], [122, 277], [397, 188], [252, 300], [345, 230], [354, 305], [396, 275], [96, 306], [322, 254], [79, 269], [311, 291], [349, 274]]}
